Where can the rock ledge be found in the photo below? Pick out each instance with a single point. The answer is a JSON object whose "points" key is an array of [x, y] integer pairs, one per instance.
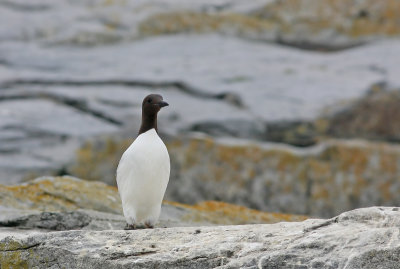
{"points": [[362, 238]]}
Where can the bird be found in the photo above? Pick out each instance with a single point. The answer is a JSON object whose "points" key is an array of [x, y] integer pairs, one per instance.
{"points": [[143, 171]]}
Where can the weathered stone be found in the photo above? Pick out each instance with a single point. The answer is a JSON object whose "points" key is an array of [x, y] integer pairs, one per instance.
{"points": [[297, 133], [305, 23], [61, 194], [363, 238], [308, 24], [73, 70], [22, 206], [234, 128], [220, 213], [376, 116], [322, 180], [234, 24], [330, 24], [50, 221], [297, 87]]}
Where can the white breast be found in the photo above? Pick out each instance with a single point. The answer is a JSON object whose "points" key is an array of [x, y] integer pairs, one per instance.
{"points": [[142, 178]]}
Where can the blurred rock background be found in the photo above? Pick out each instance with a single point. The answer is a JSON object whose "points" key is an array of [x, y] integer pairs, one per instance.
{"points": [[284, 106]]}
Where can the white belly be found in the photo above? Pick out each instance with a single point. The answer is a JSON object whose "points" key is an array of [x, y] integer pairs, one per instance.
{"points": [[142, 178]]}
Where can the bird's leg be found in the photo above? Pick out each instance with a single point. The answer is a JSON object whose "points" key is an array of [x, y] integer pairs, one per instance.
{"points": [[149, 225], [130, 226]]}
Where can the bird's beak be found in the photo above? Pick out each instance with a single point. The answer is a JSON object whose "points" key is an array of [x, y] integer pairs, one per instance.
{"points": [[163, 104]]}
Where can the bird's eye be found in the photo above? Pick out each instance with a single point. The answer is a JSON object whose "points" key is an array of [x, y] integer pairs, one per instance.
{"points": [[149, 101]]}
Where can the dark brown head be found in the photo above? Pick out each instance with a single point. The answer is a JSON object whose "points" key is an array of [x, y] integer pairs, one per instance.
{"points": [[151, 105]]}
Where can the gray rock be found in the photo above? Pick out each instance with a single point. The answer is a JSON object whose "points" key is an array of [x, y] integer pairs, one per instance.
{"points": [[91, 23], [323, 180], [52, 203], [363, 238], [359, 120], [79, 69], [233, 128], [299, 86], [50, 221], [85, 219]]}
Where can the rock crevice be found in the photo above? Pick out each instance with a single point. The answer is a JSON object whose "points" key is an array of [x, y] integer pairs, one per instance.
{"points": [[184, 87]]}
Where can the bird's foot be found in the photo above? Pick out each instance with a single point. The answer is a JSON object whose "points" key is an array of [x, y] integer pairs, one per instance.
{"points": [[130, 226], [149, 225], [146, 225]]}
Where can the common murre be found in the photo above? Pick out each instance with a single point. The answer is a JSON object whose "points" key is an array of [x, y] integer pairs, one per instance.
{"points": [[143, 171]]}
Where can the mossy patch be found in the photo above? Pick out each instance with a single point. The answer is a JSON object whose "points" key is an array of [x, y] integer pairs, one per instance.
{"points": [[14, 255], [13, 260]]}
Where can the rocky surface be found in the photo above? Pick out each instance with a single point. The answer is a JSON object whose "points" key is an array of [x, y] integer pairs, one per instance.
{"points": [[64, 202], [72, 77], [71, 70], [73, 74], [107, 101], [323, 180], [363, 238], [51, 223], [313, 24], [307, 24], [304, 23], [372, 117]]}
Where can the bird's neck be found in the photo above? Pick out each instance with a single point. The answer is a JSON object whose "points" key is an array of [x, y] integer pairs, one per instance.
{"points": [[148, 122]]}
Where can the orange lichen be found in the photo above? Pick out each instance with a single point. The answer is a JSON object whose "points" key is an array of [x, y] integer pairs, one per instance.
{"points": [[342, 169], [358, 19], [352, 158], [65, 193], [384, 188], [320, 193], [220, 212], [176, 22], [320, 169], [388, 163], [60, 194], [286, 161], [93, 158]]}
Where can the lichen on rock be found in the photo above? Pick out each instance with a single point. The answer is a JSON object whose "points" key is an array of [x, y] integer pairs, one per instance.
{"points": [[362, 238], [52, 203]]}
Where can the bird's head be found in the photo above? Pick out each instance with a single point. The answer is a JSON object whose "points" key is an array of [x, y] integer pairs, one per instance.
{"points": [[152, 103]]}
